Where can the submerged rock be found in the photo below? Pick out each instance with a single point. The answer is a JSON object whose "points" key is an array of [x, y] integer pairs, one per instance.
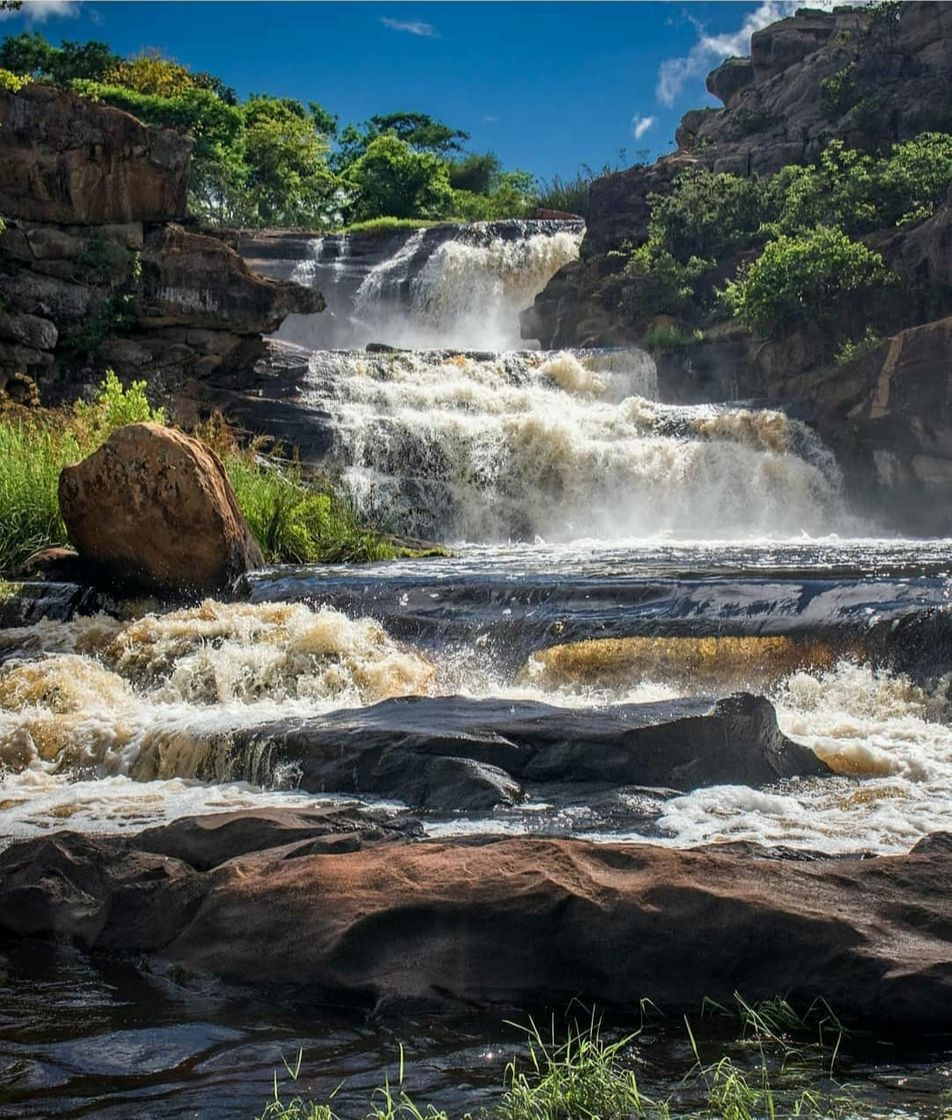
{"points": [[447, 753], [505, 922], [154, 509]]}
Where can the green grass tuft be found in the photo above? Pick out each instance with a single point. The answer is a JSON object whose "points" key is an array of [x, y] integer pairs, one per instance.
{"points": [[295, 519]]}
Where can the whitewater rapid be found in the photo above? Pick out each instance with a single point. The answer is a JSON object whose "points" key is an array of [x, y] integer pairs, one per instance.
{"points": [[107, 725]]}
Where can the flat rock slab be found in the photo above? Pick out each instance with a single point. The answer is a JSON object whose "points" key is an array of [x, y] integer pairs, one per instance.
{"points": [[511, 922], [449, 753]]}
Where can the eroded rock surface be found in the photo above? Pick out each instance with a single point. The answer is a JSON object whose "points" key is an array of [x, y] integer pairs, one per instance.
{"points": [[504, 922], [67, 159], [154, 508]]}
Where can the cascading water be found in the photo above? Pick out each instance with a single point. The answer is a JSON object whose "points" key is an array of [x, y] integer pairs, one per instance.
{"points": [[561, 445], [460, 286], [615, 550]]}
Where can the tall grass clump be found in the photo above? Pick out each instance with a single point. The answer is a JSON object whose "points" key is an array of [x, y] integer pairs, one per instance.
{"points": [[296, 519], [768, 1070], [35, 445], [581, 1075]]}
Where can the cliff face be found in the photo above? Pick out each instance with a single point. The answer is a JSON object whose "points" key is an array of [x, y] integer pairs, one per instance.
{"points": [[95, 269], [870, 80]]}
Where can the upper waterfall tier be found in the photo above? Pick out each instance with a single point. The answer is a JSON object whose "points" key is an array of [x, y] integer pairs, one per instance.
{"points": [[447, 285]]}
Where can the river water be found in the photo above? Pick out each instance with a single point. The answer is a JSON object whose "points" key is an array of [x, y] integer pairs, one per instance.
{"points": [[607, 548]]}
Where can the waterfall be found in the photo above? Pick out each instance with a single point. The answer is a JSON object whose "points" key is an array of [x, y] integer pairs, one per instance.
{"points": [[446, 285], [530, 444]]}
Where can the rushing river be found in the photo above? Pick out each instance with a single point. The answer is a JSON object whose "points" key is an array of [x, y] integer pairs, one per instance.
{"points": [[607, 547]]}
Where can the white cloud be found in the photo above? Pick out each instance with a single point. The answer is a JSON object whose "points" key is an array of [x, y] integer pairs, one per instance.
{"points": [[709, 50], [38, 11], [414, 27], [490, 119], [640, 125]]}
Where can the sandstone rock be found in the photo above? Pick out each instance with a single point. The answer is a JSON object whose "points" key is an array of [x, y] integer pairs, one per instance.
{"points": [[730, 78], [45, 296], [449, 753], [192, 280], [66, 159], [154, 508], [505, 922]]}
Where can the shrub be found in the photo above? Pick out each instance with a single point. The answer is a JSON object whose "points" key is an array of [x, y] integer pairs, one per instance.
{"points": [[13, 82], [707, 213], [838, 92], [391, 178], [664, 337], [657, 283], [855, 348], [817, 276]]}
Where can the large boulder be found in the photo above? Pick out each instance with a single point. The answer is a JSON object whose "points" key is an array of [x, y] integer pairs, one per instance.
{"points": [[66, 159], [490, 923], [452, 753], [154, 508]]}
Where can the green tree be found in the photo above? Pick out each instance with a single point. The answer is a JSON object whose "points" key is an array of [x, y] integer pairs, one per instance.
{"points": [[393, 180], [288, 179], [821, 275], [418, 130], [475, 173], [707, 213], [29, 53]]}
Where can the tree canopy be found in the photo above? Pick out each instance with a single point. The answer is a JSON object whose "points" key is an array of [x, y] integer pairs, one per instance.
{"points": [[270, 160]]}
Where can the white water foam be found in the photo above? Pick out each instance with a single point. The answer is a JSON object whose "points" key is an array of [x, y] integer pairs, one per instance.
{"points": [[561, 446]]}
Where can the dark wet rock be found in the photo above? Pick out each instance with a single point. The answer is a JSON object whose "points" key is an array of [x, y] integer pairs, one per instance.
{"points": [[450, 753], [154, 509], [489, 923], [25, 602], [208, 841], [918, 644], [55, 565]]}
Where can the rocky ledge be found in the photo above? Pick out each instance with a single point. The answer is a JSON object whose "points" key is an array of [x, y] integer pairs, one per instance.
{"points": [[351, 908], [97, 269]]}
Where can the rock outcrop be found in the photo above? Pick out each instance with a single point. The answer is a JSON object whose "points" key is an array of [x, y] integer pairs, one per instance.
{"points": [[869, 77], [69, 160], [95, 269], [371, 919], [450, 754], [154, 509]]}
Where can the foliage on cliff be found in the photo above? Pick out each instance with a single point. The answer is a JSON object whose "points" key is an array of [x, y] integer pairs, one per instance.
{"points": [[275, 161], [294, 518], [777, 248]]}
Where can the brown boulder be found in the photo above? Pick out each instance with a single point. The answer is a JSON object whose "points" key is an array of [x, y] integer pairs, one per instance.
{"points": [[154, 508], [506, 921], [66, 159], [191, 280]]}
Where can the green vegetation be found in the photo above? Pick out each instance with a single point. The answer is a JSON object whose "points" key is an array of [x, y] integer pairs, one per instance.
{"points": [[389, 225], [787, 248], [665, 336], [853, 349], [779, 1071], [823, 275], [294, 518], [274, 160]]}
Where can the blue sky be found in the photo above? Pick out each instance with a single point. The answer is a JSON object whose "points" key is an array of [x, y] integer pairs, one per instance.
{"points": [[547, 86]]}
